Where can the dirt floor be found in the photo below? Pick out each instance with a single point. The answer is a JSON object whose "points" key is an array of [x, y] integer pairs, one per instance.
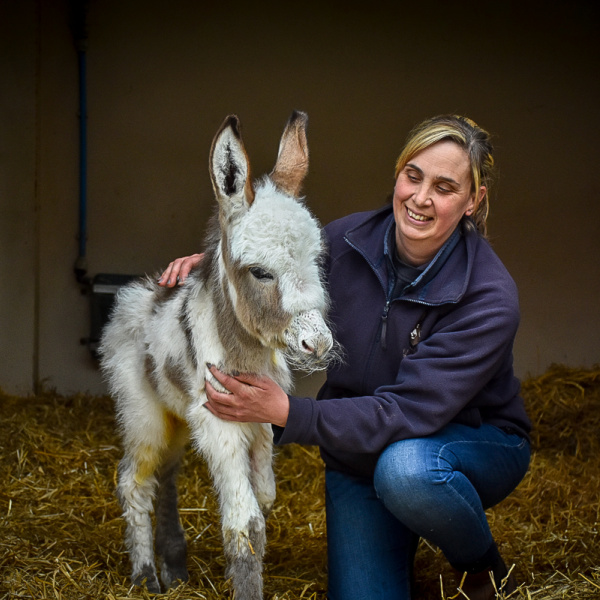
{"points": [[61, 532]]}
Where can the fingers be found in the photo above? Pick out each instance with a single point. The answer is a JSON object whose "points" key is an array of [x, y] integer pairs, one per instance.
{"points": [[165, 278], [250, 398], [178, 270], [222, 405], [234, 404], [188, 264], [232, 384], [170, 276], [238, 383]]}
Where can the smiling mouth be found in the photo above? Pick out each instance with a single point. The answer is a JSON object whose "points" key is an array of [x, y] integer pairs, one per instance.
{"points": [[417, 217]]}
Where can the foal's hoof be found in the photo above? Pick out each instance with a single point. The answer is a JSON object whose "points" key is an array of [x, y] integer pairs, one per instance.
{"points": [[147, 577], [173, 576]]}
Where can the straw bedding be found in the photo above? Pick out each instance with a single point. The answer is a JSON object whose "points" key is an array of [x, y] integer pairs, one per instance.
{"points": [[61, 532]]}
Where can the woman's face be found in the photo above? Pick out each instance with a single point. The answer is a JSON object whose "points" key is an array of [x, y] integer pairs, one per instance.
{"points": [[432, 193]]}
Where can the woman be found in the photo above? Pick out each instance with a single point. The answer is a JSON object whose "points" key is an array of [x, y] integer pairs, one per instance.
{"points": [[421, 427]]}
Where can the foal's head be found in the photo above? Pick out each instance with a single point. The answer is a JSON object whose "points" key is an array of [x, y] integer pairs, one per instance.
{"points": [[271, 245]]}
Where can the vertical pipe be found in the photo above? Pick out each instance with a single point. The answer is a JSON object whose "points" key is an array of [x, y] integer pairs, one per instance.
{"points": [[82, 152], [78, 18]]}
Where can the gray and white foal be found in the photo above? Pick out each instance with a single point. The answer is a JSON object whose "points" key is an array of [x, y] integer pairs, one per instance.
{"points": [[256, 304]]}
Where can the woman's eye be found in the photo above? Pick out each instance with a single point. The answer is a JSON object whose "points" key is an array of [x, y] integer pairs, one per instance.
{"points": [[260, 273]]}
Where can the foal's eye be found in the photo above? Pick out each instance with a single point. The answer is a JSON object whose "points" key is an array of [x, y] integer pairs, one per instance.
{"points": [[260, 273]]}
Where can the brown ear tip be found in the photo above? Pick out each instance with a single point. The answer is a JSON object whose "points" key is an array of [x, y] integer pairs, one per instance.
{"points": [[300, 116], [233, 122]]}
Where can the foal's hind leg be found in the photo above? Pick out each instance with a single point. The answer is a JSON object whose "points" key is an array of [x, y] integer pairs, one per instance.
{"points": [[171, 546], [135, 491], [147, 437]]}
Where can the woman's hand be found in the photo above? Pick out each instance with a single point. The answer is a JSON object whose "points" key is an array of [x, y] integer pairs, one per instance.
{"points": [[252, 399], [179, 269]]}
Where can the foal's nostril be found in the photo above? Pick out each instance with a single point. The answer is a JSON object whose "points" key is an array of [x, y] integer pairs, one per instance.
{"points": [[307, 348]]}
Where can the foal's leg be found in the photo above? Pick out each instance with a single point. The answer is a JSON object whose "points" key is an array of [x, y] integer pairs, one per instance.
{"points": [[243, 523], [225, 447], [261, 465], [147, 437], [135, 491], [171, 546]]}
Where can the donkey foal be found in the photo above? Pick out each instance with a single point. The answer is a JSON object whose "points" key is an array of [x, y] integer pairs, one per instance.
{"points": [[256, 304]]}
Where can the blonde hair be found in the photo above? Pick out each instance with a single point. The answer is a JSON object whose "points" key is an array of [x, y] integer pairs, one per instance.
{"points": [[476, 143]]}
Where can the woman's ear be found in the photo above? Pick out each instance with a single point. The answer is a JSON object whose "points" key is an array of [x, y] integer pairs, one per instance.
{"points": [[476, 201]]}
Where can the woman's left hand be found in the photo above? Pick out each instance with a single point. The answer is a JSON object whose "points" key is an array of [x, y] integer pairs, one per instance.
{"points": [[252, 399]]}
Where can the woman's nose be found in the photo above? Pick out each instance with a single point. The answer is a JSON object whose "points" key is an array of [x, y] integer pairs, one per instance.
{"points": [[422, 196]]}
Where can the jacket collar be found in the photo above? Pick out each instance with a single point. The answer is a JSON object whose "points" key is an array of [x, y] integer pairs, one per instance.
{"points": [[443, 281]]}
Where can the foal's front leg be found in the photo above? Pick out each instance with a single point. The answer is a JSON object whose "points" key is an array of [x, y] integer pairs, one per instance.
{"points": [[225, 447], [261, 465], [243, 526]]}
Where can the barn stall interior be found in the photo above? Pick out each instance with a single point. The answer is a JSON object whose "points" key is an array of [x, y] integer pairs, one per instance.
{"points": [[157, 88], [62, 531]]}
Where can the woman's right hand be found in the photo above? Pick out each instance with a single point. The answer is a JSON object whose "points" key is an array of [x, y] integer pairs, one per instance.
{"points": [[179, 269]]}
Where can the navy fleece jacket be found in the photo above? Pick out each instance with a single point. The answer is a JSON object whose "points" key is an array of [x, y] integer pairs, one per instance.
{"points": [[438, 352]]}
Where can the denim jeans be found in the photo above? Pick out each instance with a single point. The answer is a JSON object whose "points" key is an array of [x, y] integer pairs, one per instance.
{"points": [[437, 488]]}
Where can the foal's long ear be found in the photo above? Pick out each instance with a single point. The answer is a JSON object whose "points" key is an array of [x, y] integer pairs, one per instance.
{"points": [[292, 161], [230, 169]]}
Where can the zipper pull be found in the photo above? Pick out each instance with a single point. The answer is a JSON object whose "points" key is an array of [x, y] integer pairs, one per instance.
{"points": [[384, 326]]}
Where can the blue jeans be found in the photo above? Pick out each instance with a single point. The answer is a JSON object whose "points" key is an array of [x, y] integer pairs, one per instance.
{"points": [[437, 488]]}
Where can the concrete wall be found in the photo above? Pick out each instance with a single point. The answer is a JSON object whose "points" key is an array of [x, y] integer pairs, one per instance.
{"points": [[161, 78], [18, 195]]}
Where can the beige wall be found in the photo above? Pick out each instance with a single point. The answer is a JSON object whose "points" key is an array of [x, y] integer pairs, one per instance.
{"points": [[163, 75], [18, 226]]}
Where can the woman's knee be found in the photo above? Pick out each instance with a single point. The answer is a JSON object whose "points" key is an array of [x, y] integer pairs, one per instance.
{"points": [[404, 470]]}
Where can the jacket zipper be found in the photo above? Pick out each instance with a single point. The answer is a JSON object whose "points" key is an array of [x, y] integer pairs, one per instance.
{"points": [[386, 309], [384, 317]]}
